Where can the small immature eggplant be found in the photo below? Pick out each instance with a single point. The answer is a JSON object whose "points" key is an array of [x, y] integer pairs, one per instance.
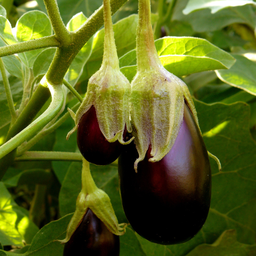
{"points": [[167, 202], [92, 238], [93, 229], [91, 142], [103, 117]]}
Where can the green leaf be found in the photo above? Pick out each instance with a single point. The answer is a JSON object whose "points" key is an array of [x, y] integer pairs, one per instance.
{"points": [[33, 176], [15, 224], [46, 241], [183, 56], [6, 31], [43, 61], [32, 25], [214, 5], [205, 21], [2, 11], [225, 245], [241, 74], [76, 68], [129, 244], [12, 64]]}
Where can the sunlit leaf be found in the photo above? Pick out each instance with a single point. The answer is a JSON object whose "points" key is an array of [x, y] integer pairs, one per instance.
{"points": [[183, 56], [2, 11], [241, 75], [32, 25], [6, 33], [214, 5], [14, 221]]}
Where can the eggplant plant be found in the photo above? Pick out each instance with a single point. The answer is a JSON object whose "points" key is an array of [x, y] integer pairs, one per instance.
{"points": [[137, 96]]}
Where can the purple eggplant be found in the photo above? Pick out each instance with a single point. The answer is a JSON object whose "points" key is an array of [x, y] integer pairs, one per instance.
{"points": [[92, 144], [167, 202], [92, 238]]}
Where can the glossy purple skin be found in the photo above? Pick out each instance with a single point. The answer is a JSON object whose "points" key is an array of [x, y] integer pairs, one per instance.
{"points": [[91, 142], [92, 238], [167, 202]]}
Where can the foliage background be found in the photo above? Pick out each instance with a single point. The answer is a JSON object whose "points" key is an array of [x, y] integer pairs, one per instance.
{"points": [[212, 47]]}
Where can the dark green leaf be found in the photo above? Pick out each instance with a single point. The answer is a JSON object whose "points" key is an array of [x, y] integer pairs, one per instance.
{"points": [[225, 245]]}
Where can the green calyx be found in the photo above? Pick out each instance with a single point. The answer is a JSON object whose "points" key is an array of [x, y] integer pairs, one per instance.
{"points": [[108, 90], [157, 96], [91, 197]]}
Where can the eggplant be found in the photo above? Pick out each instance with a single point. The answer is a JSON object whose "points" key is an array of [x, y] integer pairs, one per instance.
{"points": [[92, 144], [167, 202], [92, 238]]}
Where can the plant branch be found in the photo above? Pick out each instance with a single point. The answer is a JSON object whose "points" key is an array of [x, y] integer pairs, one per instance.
{"points": [[52, 156], [8, 92], [47, 130], [61, 32], [38, 124], [44, 42], [65, 55]]}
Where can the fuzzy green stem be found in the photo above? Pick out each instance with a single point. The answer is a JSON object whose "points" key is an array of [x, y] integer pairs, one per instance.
{"points": [[88, 184], [110, 57], [44, 42], [147, 57], [8, 92], [38, 124], [49, 156], [61, 32], [65, 55], [73, 90]]}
